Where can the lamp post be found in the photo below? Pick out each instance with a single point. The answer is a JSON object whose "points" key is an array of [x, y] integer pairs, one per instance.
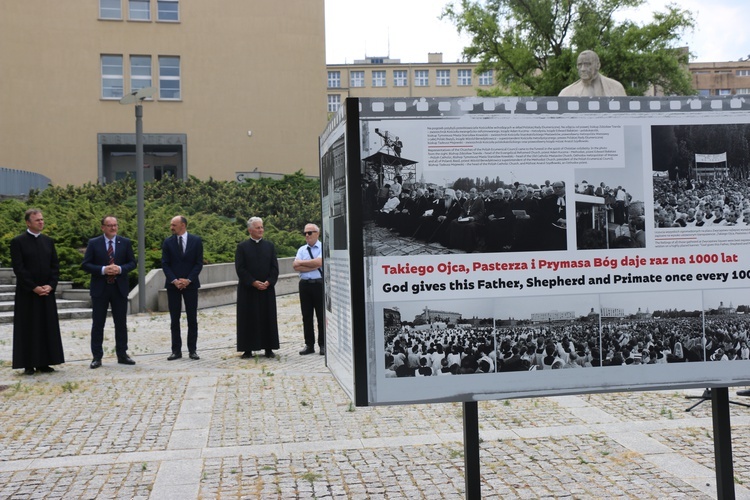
{"points": [[137, 97]]}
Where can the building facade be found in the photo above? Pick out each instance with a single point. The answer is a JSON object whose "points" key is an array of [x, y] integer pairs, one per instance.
{"points": [[384, 77], [721, 78], [237, 87]]}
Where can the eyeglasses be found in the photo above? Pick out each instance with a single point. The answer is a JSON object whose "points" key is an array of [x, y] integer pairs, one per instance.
{"points": [[308, 233]]}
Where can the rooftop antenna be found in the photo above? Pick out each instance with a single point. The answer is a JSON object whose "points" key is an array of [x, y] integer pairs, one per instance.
{"points": [[389, 42]]}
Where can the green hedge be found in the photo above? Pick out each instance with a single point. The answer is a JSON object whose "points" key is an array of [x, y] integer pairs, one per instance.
{"points": [[216, 210]]}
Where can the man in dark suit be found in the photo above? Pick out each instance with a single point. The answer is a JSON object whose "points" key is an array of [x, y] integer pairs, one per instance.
{"points": [[36, 330], [182, 262], [109, 258]]}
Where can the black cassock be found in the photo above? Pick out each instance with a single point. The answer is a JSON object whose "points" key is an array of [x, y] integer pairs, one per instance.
{"points": [[257, 328], [36, 329]]}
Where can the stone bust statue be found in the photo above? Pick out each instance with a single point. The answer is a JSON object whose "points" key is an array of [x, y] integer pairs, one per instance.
{"points": [[591, 82]]}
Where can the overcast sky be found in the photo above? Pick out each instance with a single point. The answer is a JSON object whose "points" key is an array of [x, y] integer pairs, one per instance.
{"points": [[409, 29]]}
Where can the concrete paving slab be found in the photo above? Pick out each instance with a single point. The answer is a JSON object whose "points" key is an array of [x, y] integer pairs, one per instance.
{"points": [[224, 427]]}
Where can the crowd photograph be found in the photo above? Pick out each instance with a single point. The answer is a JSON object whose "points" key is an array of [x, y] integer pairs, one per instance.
{"points": [[581, 331], [470, 215], [700, 176]]}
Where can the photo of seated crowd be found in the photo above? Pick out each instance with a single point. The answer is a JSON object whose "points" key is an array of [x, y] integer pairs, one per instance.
{"points": [[440, 341], [709, 203], [727, 325], [701, 176], [607, 216], [470, 215]]}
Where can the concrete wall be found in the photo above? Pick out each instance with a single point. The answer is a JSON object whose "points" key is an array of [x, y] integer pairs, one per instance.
{"points": [[218, 286]]}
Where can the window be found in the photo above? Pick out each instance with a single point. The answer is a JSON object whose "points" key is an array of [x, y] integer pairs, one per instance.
{"points": [[169, 77], [139, 10], [357, 79], [111, 77], [421, 78], [378, 78], [168, 10], [334, 101], [140, 72], [464, 77], [443, 77], [704, 92], [723, 92], [743, 72], [110, 9], [486, 78], [400, 78], [743, 91], [334, 79]]}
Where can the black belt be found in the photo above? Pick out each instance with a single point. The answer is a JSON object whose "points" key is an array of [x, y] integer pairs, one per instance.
{"points": [[316, 280]]}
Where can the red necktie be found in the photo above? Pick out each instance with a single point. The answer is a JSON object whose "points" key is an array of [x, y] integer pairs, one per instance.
{"points": [[110, 260]]}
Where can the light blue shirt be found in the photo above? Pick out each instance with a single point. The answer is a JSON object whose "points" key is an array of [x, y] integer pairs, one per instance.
{"points": [[303, 254]]}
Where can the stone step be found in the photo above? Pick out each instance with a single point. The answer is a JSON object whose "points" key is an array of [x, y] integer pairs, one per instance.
{"points": [[64, 290], [6, 276], [75, 313], [7, 305]]}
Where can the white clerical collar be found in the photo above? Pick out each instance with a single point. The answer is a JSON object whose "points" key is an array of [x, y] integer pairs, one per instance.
{"points": [[32, 233], [256, 241]]}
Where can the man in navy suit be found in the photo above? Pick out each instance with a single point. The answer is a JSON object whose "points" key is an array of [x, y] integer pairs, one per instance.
{"points": [[182, 262], [109, 258]]}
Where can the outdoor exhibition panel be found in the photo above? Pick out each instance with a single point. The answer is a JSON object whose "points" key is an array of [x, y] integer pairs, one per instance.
{"points": [[638, 280]]}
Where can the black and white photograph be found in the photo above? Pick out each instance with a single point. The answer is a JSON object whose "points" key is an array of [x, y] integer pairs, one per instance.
{"points": [[727, 325], [439, 338], [700, 176], [652, 328], [610, 209], [538, 334], [490, 211]]}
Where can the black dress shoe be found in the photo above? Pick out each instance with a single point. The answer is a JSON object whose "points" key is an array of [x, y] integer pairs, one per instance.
{"points": [[247, 355], [270, 354], [174, 355], [96, 363], [743, 393], [322, 351], [307, 350], [194, 355], [45, 369], [125, 360], [28, 371]]}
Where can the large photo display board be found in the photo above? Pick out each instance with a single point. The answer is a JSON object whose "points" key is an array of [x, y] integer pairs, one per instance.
{"points": [[515, 247]]}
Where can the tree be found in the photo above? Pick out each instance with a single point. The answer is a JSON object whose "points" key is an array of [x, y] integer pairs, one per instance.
{"points": [[532, 45]]}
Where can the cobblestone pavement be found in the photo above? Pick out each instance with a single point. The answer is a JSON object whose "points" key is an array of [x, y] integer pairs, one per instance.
{"points": [[225, 427]]}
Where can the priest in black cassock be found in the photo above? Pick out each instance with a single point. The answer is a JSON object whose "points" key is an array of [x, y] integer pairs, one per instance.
{"points": [[258, 270], [36, 330]]}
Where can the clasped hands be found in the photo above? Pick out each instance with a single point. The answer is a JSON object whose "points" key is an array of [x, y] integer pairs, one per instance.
{"points": [[181, 283], [111, 270], [42, 290], [261, 285]]}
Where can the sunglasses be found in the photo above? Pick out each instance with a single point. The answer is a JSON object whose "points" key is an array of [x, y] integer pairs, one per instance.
{"points": [[308, 233]]}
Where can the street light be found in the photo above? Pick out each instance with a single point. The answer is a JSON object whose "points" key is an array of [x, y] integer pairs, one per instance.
{"points": [[137, 97]]}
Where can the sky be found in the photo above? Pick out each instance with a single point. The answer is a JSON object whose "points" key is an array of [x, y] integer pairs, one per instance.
{"points": [[410, 29]]}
